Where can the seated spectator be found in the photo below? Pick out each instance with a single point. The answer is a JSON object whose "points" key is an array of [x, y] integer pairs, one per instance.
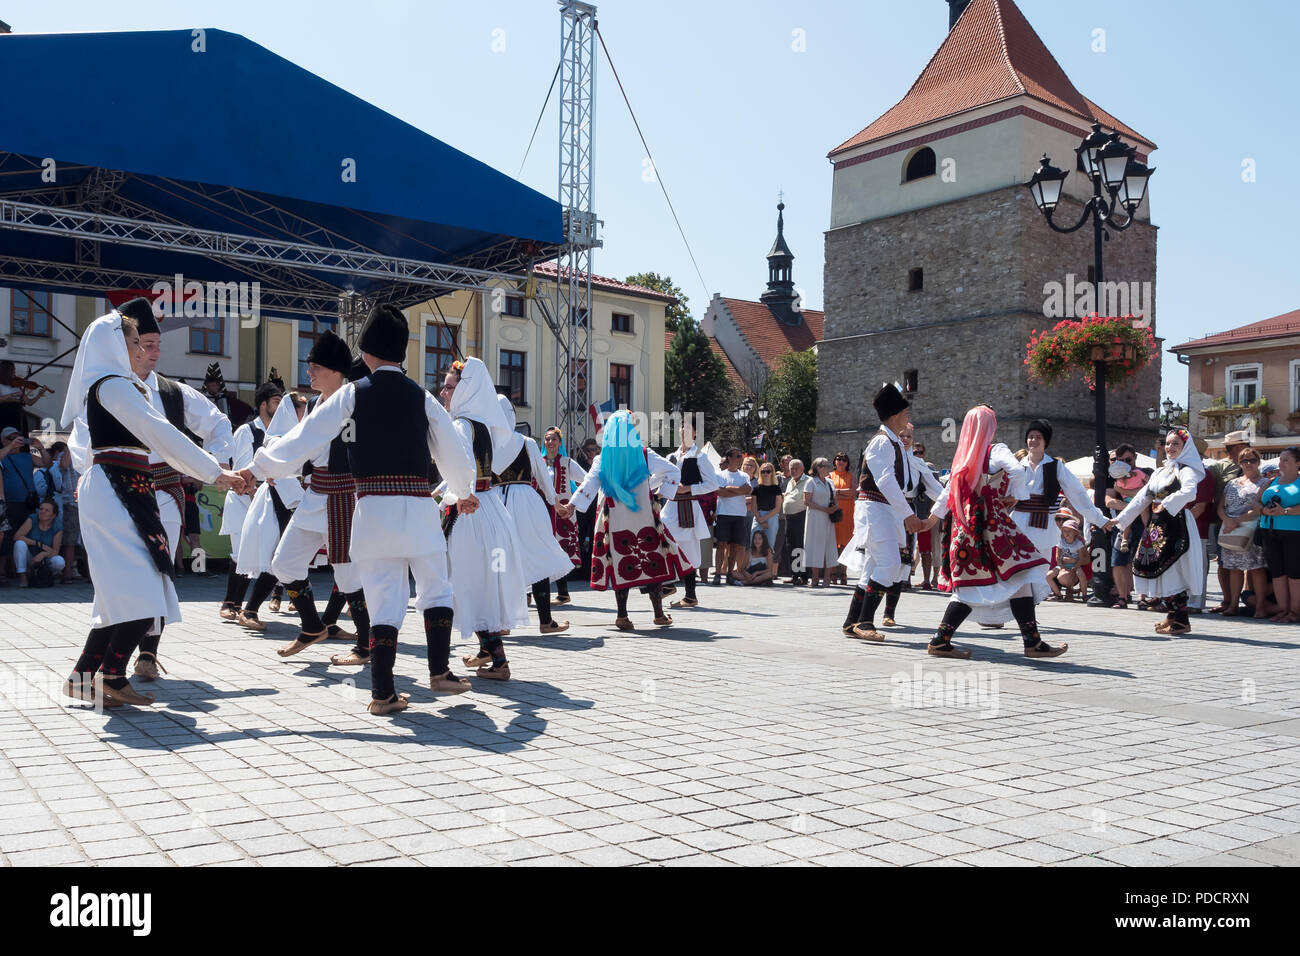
{"points": [[1070, 567], [38, 542], [760, 568]]}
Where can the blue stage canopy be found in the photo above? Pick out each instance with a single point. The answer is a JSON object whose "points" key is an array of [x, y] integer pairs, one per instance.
{"points": [[238, 140]]}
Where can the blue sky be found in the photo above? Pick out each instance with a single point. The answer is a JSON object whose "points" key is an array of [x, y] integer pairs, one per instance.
{"points": [[733, 114]]}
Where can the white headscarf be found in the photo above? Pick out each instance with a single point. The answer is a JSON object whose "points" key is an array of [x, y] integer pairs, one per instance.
{"points": [[102, 352], [1189, 457], [282, 422], [475, 398], [510, 451]]}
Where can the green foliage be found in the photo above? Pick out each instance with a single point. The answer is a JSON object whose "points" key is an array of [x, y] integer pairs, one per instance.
{"points": [[791, 398], [677, 313], [695, 378]]}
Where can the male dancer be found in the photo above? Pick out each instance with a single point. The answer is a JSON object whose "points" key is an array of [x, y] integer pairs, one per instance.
{"points": [[248, 438], [324, 518], [391, 428], [192, 415], [682, 515], [888, 474]]}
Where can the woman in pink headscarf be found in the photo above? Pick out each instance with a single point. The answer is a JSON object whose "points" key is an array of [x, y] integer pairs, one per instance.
{"points": [[993, 567]]}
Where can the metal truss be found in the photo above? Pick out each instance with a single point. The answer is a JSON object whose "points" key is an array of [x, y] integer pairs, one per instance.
{"points": [[571, 321]]}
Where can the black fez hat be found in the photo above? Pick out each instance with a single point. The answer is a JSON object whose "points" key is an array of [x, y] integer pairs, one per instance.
{"points": [[332, 352], [213, 374], [385, 334], [358, 370], [1040, 425], [889, 401], [140, 310]]}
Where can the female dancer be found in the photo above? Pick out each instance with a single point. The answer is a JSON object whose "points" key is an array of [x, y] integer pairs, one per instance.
{"points": [[631, 548], [1168, 559], [126, 545], [486, 571], [991, 564], [564, 475], [541, 556]]}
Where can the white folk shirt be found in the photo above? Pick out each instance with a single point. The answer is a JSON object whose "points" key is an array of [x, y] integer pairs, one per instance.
{"points": [[732, 507], [205, 421], [572, 469], [384, 526], [663, 478], [235, 508], [880, 455], [1045, 539]]}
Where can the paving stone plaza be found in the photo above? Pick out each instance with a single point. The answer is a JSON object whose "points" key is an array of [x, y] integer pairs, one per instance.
{"points": [[749, 733]]}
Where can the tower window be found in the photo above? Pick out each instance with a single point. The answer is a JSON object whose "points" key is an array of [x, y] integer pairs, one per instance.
{"points": [[919, 165], [915, 280]]}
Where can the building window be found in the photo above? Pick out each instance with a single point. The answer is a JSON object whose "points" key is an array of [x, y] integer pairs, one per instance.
{"points": [[306, 342], [514, 306], [580, 316], [582, 379], [209, 340], [1243, 383], [915, 280], [620, 384], [26, 315], [919, 165], [622, 322], [514, 369], [439, 353]]}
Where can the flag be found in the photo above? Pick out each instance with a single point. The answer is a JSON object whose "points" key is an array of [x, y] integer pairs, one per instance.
{"points": [[759, 439], [598, 413]]}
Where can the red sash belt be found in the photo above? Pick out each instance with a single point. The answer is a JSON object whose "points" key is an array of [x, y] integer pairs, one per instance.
{"points": [[122, 459], [168, 479], [873, 496], [340, 491], [482, 484]]}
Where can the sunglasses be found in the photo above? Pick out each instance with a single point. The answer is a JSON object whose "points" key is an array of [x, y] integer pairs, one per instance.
{"points": [[1248, 461]]}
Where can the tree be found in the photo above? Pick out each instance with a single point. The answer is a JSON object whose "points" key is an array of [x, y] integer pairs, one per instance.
{"points": [[695, 378], [790, 394], [677, 312]]}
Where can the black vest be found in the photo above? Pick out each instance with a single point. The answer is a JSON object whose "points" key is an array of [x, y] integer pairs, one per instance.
{"points": [[258, 432], [521, 469], [868, 482], [690, 471], [1051, 481], [482, 442], [173, 402], [338, 461], [390, 434], [105, 430]]}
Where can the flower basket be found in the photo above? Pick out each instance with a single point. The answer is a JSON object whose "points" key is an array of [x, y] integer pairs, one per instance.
{"points": [[1075, 346]]}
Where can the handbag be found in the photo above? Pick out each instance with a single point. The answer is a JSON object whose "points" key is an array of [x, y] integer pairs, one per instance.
{"points": [[837, 515], [1241, 537]]}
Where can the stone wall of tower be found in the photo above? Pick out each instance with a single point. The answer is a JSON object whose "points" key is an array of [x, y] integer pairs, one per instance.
{"points": [[986, 260]]}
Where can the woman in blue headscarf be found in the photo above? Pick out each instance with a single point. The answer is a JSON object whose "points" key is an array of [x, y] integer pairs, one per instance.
{"points": [[564, 474], [631, 548]]}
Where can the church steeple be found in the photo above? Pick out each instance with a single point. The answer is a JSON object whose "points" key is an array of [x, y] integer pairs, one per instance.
{"points": [[780, 295]]}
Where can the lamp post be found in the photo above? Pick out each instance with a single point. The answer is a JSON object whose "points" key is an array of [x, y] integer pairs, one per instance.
{"points": [[1119, 184], [744, 414], [1173, 413]]}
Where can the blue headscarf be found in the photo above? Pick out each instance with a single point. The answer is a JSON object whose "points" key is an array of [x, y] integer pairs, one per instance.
{"points": [[622, 460]]}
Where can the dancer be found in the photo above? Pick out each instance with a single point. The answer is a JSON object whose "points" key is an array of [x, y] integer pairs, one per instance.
{"points": [[486, 569], [888, 474], [126, 544], [564, 474], [268, 517], [192, 415], [990, 562], [1046, 479], [391, 429], [1168, 558], [631, 547], [540, 555], [248, 438], [323, 519], [683, 517]]}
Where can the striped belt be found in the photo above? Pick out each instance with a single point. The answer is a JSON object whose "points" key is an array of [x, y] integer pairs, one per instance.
{"points": [[392, 486], [873, 496], [1038, 508], [168, 479], [500, 484], [339, 489], [122, 459], [482, 484], [327, 482]]}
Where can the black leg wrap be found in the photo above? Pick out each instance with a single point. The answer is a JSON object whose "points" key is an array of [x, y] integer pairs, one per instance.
{"points": [[262, 588], [333, 607], [870, 603], [304, 602], [92, 655], [688, 583], [891, 599], [656, 594], [437, 636], [855, 605], [542, 598], [120, 648], [361, 620], [953, 616], [620, 600], [383, 655]]}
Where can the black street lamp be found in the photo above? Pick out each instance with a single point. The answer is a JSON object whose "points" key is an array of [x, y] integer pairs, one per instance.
{"points": [[1119, 184], [1172, 418]]}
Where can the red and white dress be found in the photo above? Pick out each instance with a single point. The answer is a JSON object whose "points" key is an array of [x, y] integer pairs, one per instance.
{"points": [[561, 470], [632, 548], [990, 560]]}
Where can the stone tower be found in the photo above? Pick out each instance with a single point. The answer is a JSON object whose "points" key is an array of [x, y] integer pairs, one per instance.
{"points": [[938, 260]]}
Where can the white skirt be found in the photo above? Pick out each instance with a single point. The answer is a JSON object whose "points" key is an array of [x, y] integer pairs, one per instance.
{"points": [[128, 585], [854, 555], [487, 577], [1185, 574], [688, 539], [261, 532], [540, 555], [991, 603]]}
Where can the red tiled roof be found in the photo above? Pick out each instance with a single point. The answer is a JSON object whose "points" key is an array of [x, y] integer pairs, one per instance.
{"points": [[549, 269], [733, 376], [991, 54], [768, 336], [1286, 324]]}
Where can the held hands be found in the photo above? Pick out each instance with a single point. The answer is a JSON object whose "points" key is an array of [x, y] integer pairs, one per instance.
{"points": [[229, 480], [1110, 525], [467, 505], [563, 509], [249, 482], [1157, 507], [913, 524], [1008, 501]]}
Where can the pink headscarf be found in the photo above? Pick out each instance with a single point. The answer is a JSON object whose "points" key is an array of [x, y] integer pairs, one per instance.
{"points": [[977, 432]]}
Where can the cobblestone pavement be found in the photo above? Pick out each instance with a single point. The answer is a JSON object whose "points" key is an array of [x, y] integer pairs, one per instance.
{"points": [[751, 732]]}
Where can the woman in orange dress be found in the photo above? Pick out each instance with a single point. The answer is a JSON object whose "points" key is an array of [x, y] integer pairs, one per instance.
{"points": [[845, 496]]}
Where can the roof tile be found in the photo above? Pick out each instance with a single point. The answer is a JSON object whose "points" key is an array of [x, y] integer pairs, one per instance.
{"points": [[1286, 324]]}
